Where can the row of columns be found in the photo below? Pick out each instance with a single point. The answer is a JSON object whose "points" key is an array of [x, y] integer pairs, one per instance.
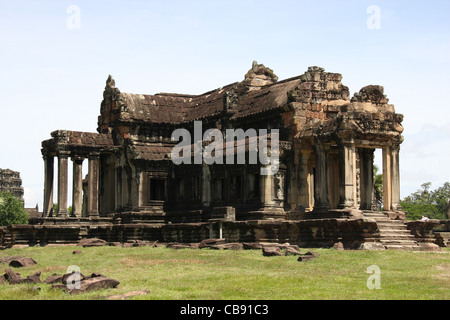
{"points": [[77, 187], [347, 177]]}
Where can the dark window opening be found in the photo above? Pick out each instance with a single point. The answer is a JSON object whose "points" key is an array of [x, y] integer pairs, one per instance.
{"points": [[195, 188], [179, 189], [236, 187], [157, 189], [254, 186], [219, 189]]}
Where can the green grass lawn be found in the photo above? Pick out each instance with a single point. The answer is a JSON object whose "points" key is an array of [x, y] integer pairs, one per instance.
{"points": [[238, 275]]}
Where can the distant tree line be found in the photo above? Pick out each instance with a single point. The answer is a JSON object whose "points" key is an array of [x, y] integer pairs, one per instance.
{"points": [[432, 204]]}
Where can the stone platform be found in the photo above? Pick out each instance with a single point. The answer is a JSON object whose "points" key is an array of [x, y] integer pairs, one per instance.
{"points": [[354, 229]]}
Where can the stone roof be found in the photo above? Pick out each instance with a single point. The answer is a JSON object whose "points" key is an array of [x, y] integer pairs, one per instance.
{"points": [[177, 109], [172, 108], [259, 92], [151, 152], [75, 140], [269, 97]]}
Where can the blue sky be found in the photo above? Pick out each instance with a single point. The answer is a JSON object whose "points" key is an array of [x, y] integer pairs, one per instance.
{"points": [[53, 76]]}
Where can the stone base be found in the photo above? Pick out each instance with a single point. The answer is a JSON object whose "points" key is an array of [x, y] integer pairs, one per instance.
{"points": [[328, 214], [265, 214], [372, 246], [428, 247], [396, 215], [85, 221]]}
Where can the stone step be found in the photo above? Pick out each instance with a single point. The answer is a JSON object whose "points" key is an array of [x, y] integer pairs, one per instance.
{"points": [[390, 221], [387, 224], [397, 238], [401, 247], [398, 242], [393, 234], [374, 214], [396, 233], [394, 229]]}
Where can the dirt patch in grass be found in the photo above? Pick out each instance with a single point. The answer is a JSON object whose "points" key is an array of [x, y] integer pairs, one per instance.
{"points": [[190, 261], [445, 271], [53, 268], [133, 262]]}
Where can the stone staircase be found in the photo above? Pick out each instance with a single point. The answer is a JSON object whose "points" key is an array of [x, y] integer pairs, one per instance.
{"points": [[394, 234], [6, 238]]}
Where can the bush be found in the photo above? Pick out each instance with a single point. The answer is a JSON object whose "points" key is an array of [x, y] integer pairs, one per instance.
{"points": [[11, 210], [416, 211]]}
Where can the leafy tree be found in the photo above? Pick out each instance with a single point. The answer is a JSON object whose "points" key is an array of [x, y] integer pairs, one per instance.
{"points": [[378, 187], [11, 210], [440, 197], [425, 202], [55, 209], [417, 211]]}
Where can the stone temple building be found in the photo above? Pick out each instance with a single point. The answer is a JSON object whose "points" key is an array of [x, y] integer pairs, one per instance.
{"points": [[326, 140], [11, 182]]}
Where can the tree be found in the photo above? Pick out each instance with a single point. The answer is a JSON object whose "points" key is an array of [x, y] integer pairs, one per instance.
{"points": [[11, 210], [55, 210], [378, 187], [425, 202], [440, 197]]}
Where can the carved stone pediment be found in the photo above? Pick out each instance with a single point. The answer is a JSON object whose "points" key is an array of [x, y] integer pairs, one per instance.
{"points": [[258, 76], [372, 93]]}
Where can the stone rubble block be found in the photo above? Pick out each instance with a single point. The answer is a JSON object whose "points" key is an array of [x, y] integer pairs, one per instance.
{"points": [[22, 262], [290, 251], [210, 242], [252, 245], [228, 246], [308, 256], [95, 282], [54, 278], [12, 277], [92, 242], [35, 277], [271, 251], [18, 261]]}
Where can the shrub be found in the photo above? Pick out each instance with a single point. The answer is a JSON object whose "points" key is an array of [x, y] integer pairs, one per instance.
{"points": [[416, 211], [11, 210]]}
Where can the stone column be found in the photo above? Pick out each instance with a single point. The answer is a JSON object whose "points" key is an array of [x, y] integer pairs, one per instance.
{"points": [[395, 167], [206, 185], [347, 173], [48, 185], [387, 179], [366, 186], [321, 185], [77, 187], [93, 184], [305, 199], [267, 188], [62, 183]]}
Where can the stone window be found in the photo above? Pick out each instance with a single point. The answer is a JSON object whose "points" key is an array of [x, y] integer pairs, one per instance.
{"points": [[195, 191], [179, 189], [219, 189], [157, 189], [235, 190], [253, 186]]}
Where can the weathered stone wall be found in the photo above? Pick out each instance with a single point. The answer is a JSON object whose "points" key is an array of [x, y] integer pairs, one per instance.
{"points": [[306, 233], [426, 231]]}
